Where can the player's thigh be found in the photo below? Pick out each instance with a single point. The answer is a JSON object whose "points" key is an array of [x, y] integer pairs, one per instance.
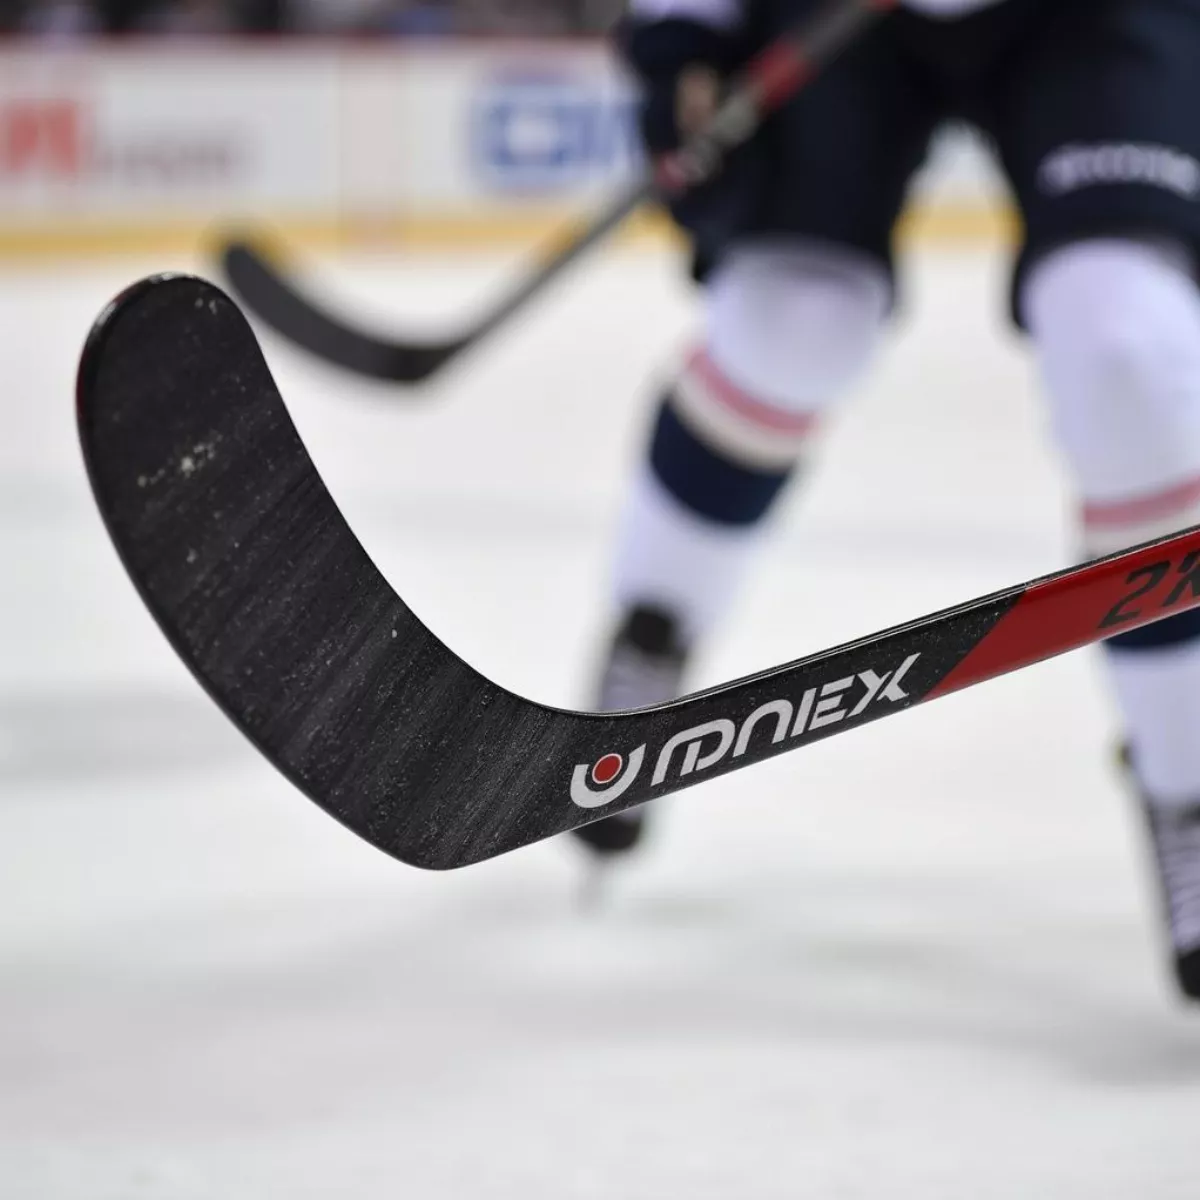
{"points": [[831, 167], [1099, 124], [841, 155]]}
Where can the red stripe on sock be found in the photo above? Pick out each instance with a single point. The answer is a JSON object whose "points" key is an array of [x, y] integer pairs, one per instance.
{"points": [[1154, 507], [745, 405]]}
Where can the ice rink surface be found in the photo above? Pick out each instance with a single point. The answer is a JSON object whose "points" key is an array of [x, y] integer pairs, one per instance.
{"points": [[917, 961]]}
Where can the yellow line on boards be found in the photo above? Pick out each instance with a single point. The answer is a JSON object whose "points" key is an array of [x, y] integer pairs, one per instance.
{"points": [[65, 238]]}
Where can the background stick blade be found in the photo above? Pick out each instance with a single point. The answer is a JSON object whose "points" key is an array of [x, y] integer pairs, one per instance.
{"points": [[268, 294]]}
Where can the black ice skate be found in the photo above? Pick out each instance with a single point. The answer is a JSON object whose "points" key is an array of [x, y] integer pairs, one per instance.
{"points": [[1175, 838], [644, 666], [1175, 834]]}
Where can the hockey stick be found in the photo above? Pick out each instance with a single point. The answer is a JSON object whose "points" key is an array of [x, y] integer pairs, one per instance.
{"points": [[768, 82], [253, 574]]}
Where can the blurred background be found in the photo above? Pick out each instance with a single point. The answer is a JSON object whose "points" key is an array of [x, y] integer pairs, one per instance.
{"points": [[213, 17], [920, 960]]}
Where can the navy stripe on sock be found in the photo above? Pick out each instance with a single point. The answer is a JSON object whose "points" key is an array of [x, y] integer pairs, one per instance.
{"points": [[1162, 635], [706, 482]]}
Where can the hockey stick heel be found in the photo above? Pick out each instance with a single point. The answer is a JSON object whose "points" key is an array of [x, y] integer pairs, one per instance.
{"points": [[247, 564]]}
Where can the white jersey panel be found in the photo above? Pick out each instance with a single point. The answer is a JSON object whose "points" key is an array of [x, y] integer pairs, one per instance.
{"points": [[720, 14], [947, 9], [724, 14]]}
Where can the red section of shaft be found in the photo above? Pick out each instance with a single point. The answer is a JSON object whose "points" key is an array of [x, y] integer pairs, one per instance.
{"points": [[669, 175], [779, 73], [1111, 597]]}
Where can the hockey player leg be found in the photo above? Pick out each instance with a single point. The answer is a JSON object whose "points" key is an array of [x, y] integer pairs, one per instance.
{"points": [[1117, 328], [788, 329]]}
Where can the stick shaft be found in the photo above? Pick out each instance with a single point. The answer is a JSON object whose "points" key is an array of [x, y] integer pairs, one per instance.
{"points": [[770, 80]]}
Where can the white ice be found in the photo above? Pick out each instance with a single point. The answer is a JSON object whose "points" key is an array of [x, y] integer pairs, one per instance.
{"points": [[921, 960]]}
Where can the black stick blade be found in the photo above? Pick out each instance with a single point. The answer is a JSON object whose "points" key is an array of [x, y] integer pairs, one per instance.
{"points": [[268, 294], [249, 568]]}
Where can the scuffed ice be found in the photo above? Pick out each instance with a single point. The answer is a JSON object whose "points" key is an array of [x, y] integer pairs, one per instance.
{"points": [[918, 962]]}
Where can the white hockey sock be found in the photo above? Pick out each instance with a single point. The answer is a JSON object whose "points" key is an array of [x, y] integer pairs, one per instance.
{"points": [[789, 327], [670, 558], [1117, 328], [1159, 694]]}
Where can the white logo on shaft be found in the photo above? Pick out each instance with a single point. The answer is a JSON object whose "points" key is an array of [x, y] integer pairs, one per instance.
{"points": [[613, 775], [703, 746]]}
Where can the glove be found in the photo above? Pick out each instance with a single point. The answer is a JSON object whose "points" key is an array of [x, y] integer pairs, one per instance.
{"points": [[680, 64], [946, 10]]}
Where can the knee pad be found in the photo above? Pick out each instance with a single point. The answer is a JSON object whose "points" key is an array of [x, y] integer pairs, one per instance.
{"points": [[1116, 325], [789, 327]]}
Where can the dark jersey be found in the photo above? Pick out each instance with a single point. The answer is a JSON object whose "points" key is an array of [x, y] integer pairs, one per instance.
{"points": [[1093, 107]]}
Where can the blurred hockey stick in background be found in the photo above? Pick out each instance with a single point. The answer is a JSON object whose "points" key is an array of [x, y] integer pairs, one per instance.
{"points": [[767, 83]]}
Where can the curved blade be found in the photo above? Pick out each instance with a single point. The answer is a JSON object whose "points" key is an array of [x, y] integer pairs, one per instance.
{"points": [[269, 295]]}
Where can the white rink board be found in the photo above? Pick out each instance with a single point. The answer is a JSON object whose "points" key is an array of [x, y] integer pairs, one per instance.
{"points": [[329, 137], [156, 134], [475, 128]]}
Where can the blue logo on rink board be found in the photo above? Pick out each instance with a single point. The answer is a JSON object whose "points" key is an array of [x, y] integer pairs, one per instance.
{"points": [[549, 131]]}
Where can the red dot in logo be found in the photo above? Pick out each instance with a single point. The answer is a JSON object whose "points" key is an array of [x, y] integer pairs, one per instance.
{"points": [[607, 769]]}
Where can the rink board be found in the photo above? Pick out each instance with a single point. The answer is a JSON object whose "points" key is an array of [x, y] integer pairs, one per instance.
{"points": [[148, 147]]}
